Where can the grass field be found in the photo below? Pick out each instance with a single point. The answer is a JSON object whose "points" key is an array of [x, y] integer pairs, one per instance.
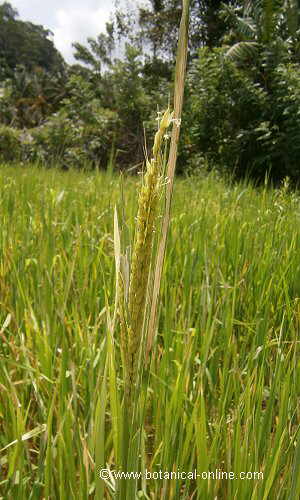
{"points": [[224, 386]]}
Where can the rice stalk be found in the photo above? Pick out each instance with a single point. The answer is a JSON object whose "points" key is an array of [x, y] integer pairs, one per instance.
{"points": [[180, 72]]}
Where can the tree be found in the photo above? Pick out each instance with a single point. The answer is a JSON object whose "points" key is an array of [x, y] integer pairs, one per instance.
{"points": [[132, 103], [159, 25], [244, 99], [31, 96], [25, 43], [7, 12], [99, 52], [265, 30]]}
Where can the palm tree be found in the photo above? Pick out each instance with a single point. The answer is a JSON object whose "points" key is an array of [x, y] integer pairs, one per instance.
{"points": [[34, 95], [268, 28]]}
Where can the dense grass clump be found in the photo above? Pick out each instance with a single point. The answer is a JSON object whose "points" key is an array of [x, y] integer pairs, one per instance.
{"points": [[224, 385]]}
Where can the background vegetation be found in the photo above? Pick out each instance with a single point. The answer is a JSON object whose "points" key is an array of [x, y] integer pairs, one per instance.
{"points": [[241, 105]]}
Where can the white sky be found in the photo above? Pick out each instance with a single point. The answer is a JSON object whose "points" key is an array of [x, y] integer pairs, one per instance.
{"points": [[69, 20]]}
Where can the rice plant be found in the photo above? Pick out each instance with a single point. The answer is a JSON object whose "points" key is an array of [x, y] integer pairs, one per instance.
{"points": [[222, 392], [198, 394]]}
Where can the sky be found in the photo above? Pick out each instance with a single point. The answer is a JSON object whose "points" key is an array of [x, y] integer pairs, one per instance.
{"points": [[69, 20]]}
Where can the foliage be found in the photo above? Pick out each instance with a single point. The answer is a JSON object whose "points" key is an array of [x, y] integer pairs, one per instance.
{"points": [[10, 144], [85, 118], [80, 133], [265, 31], [66, 138], [241, 103], [280, 135], [223, 104], [241, 123], [129, 89], [25, 43], [99, 51], [29, 97], [132, 102], [159, 23]]}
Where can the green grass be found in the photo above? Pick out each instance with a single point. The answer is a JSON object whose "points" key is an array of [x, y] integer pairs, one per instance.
{"points": [[224, 385]]}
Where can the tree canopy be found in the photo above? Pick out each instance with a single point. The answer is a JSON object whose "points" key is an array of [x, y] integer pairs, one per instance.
{"points": [[242, 98], [26, 44]]}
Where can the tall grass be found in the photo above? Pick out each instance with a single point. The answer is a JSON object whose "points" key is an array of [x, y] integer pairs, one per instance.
{"points": [[223, 390]]}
